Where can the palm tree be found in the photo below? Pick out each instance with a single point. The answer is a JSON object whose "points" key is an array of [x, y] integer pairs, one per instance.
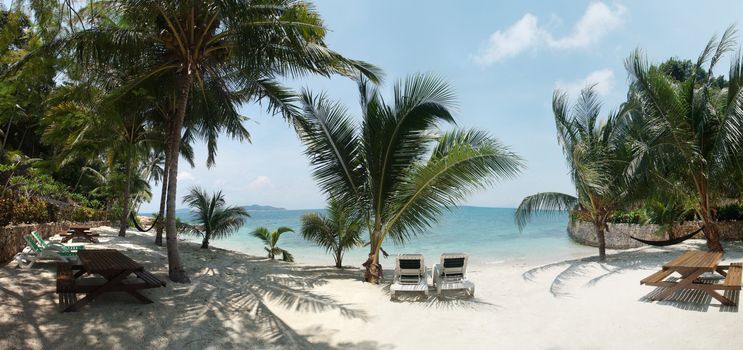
{"points": [[271, 239], [596, 155], [238, 48], [215, 218], [398, 170], [692, 136], [337, 232], [87, 123]]}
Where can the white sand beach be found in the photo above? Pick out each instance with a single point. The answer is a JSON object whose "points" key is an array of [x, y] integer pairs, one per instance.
{"points": [[240, 301]]}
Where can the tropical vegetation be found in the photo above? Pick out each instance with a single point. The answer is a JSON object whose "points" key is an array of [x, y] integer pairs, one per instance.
{"points": [[596, 155], [110, 94], [671, 154], [398, 169], [691, 136], [337, 231], [212, 217], [271, 239]]}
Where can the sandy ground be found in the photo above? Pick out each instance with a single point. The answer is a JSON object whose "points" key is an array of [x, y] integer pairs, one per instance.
{"points": [[239, 301]]}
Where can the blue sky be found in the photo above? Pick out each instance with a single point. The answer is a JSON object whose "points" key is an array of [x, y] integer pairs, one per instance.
{"points": [[504, 60]]}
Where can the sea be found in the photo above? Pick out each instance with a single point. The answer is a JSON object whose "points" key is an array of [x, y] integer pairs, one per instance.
{"points": [[487, 235]]}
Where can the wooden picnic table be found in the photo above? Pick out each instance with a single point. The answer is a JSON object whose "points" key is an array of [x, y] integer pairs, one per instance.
{"points": [[114, 266], [691, 266], [80, 231]]}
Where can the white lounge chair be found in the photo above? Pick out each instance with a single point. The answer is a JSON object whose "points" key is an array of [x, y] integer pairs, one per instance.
{"points": [[451, 274], [34, 253], [410, 275]]}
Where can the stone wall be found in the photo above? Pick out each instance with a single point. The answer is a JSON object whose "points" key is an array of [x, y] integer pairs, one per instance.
{"points": [[11, 237], [618, 235]]}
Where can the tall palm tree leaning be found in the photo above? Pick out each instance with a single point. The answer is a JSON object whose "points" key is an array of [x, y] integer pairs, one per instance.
{"points": [[596, 156], [398, 170], [211, 213], [693, 130], [337, 232], [237, 47], [271, 239]]}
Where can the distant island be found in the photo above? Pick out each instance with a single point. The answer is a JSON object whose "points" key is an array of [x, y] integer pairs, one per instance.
{"points": [[184, 213], [260, 207]]}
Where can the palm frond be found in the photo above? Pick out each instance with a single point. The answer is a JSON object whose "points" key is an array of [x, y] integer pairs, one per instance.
{"points": [[462, 161], [545, 202]]}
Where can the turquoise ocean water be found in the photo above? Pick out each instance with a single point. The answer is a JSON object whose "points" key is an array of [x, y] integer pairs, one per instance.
{"points": [[488, 235]]}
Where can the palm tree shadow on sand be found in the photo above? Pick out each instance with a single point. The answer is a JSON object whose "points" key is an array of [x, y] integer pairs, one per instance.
{"points": [[224, 306], [647, 258]]}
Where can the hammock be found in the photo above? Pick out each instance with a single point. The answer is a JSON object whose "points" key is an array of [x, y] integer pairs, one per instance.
{"points": [[670, 241], [136, 224]]}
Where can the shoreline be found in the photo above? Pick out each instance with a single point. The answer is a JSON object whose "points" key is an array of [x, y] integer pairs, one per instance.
{"points": [[237, 300]]}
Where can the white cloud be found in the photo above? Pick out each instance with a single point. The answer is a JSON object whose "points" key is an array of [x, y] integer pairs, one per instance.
{"points": [[260, 182], [521, 36], [185, 176], [602, 80], [598, 20]]}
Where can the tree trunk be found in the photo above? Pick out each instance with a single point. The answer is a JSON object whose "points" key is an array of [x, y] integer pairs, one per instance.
{"points": [[600, 234], [373, 271], [205, 242], [175, 266], [124, 223], [711, 233], [163, 197], [338, 259]]}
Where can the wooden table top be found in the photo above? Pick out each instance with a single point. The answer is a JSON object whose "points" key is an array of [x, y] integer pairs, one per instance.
{"points": [[695, 260], [106, 261]]}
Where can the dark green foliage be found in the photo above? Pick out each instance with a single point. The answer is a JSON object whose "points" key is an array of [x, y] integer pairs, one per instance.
{"points": [[681, 70], [634, 216], [730, 212]]}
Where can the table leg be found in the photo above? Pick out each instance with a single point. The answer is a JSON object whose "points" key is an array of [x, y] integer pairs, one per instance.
{"points": [[721, 271], [719, 297], [687, 280], [100, 290]]}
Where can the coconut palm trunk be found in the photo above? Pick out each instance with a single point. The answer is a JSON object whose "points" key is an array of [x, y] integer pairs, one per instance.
{"points": [[124, 221], [601, 237], [711, 231], [175, 266], [374, 272], [163, 199]]}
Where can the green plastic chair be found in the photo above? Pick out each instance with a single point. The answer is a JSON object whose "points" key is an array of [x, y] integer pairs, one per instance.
{"points": [[27, 259], [54, 245]]}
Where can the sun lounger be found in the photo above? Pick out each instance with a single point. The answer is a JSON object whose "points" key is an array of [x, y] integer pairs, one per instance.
{"points": [[34, 253], [451, 274], [410, 275], [43, 244]]}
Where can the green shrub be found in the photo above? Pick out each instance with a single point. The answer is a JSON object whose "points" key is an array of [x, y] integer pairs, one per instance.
{"points": [[30, 210], [634, 216], [6, 210]]}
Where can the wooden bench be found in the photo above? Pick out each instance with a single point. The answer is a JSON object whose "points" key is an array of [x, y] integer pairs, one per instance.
{"points": [[65, 286], [150, 279], [733, 278], [656, 278]]}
